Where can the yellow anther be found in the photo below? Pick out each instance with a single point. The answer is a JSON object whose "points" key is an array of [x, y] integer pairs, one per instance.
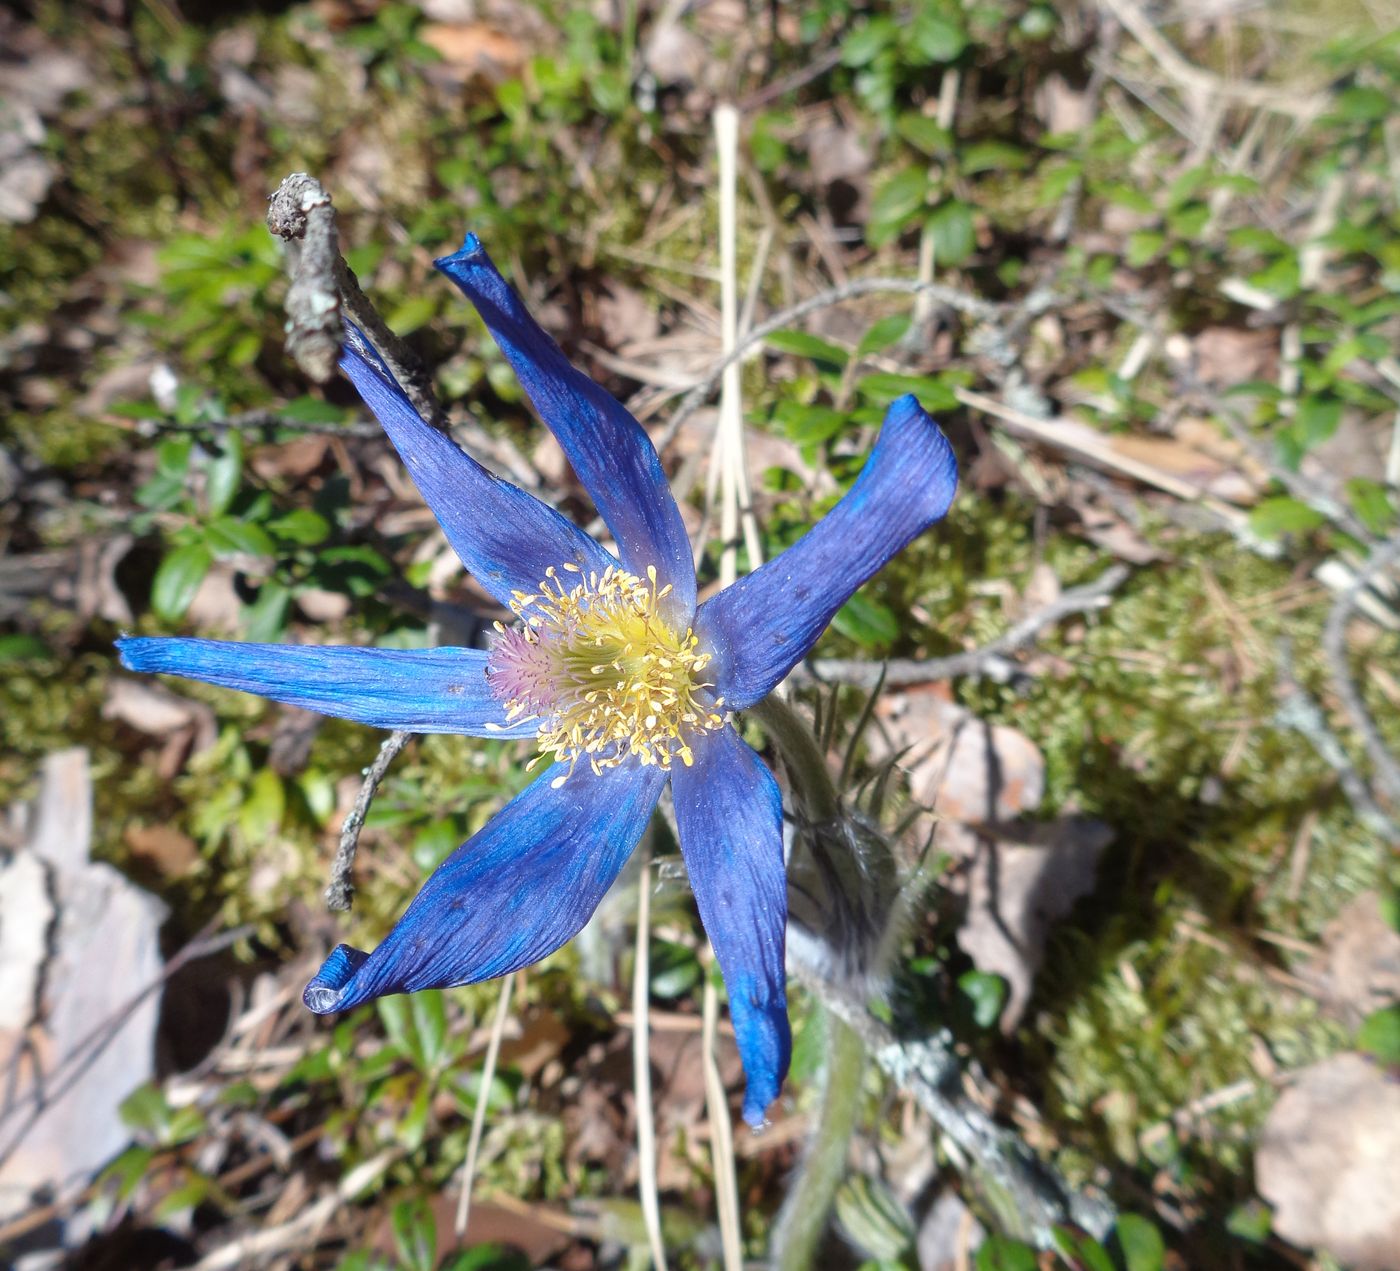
{"points": [[600, 668]]}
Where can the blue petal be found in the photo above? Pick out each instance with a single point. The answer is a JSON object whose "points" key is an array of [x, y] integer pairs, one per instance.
{"points": [[613, 456], [729, 814], [506, 537], [760, 627], [420, 690], [510, 895]]}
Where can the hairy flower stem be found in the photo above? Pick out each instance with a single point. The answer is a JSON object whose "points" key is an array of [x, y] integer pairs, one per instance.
{"points": [[798, 1232]]}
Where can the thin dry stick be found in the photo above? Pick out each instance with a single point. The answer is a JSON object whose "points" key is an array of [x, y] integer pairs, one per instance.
{"points": [[1387, 770], [730, 445], [300, 1234], [340, 892], [641, 1066], [483, 1097], [721, 1132], [980, 661]]}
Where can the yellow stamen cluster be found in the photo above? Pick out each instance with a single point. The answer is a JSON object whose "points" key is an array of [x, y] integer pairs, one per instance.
{"points": [[594, 660]]}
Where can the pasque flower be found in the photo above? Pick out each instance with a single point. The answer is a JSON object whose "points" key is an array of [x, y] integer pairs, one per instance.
{"points": [[611, 666]]}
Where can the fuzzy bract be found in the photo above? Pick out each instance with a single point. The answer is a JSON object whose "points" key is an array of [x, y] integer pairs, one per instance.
{"points": [[610, 665]]}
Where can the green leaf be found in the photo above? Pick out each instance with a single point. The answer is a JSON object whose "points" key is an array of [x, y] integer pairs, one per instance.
{"points": [[266, 618], [1140, 1243], [415, 1235], [935, 37], [1318, 418], [1379, 1034], [128, 1170], [883, 333], [145, 1109], [998, 1253], [228, 536], [1363, 105], [260, 817], [986, 993], [805, 344], [173, 457], [809, 425], [873, 1218], [353, 570], [301, 525], [862, 45], [1371, 503], [1082, 1251], [177, 579], [991, 156], [223, 473], [882, 387], [1143, 246], [894, 202], [924, 133], [394, 1015], [1253, 1221], [867, 622], [413, 313], [1283, 515], [430, 1022], [21, 648], [312, 410], [954, 237], [675, 969], [183, 1198]]}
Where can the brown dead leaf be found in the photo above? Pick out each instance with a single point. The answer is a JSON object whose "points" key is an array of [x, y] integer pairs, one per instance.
{"points": [[163, 848], [1222, 356], [1061, 107], [543, 1036], [625, 315], [1329, 1162], [963, 768], [475, 50], [185, 725], [1357, 970], [295, 460], [1017, 890], [1209, 471]]}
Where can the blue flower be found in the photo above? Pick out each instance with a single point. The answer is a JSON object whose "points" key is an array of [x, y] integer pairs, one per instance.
{"points": [[624, 682]]}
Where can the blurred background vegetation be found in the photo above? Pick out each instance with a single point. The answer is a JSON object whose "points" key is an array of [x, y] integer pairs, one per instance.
{"points": [[1188, 211]]}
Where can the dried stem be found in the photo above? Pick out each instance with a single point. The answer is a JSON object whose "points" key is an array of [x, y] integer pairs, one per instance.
{"points": [[340, 892], [989, 659], [1387, 770], [1298, 711]]}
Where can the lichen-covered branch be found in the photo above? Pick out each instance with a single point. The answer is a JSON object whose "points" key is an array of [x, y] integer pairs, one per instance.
{"points": [[325, 294], [340, 892]]}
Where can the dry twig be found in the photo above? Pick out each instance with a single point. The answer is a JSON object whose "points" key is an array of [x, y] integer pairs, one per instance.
{"points": [[1387, 770], [340, 892], [990, 659]]}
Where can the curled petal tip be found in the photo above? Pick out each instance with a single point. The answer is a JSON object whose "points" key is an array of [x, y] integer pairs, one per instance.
{"points": [[757, 1117], [324, 993], [471, 246]]}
